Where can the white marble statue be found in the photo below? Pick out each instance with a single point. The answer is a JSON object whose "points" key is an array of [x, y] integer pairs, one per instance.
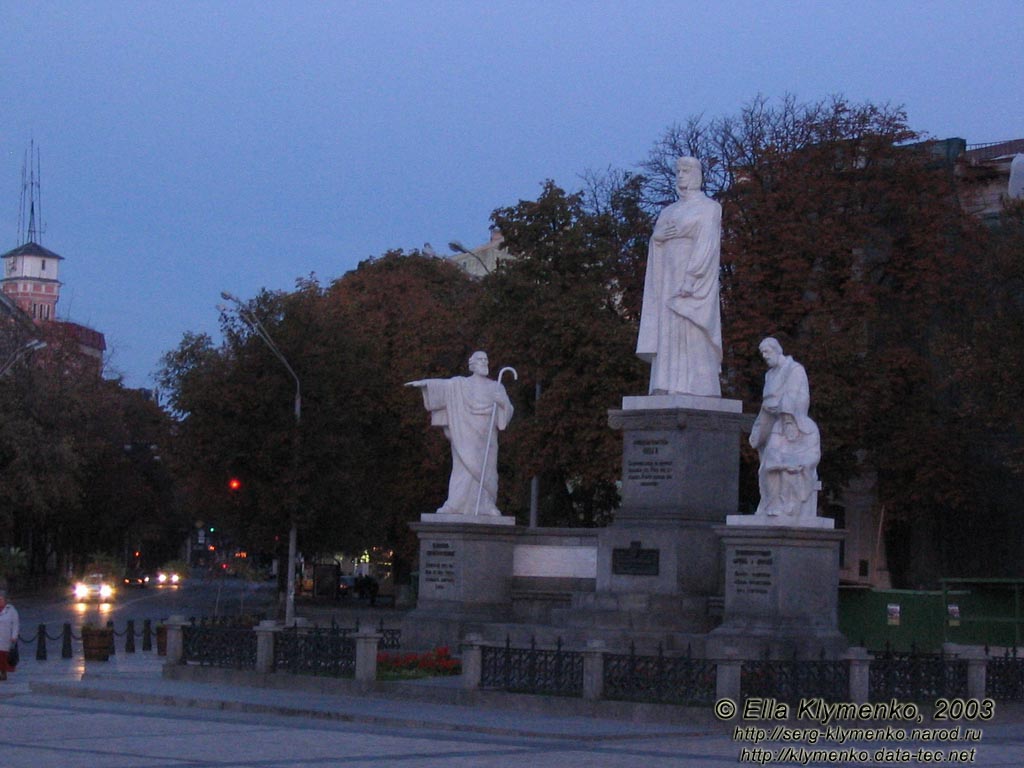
{"points": [[680, 322], [471, 410], [787, 440]]}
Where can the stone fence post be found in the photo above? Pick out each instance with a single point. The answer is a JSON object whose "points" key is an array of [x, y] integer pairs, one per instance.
{"points": [[593, 670], [265, 632], [727, 679], [860, 674], [366, 655], [175, 641], [472, 660]]}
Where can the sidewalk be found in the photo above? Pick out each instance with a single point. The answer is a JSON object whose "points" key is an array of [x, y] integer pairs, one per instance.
{"points": [[109, 713], [138, 679]]}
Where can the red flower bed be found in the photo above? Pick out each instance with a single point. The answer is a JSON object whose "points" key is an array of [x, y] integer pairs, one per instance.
{"points": [[436, 662]]}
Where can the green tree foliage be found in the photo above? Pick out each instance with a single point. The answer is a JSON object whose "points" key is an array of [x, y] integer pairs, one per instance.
{"points": [[560, 314], [352, 471], [843, 236], [79, 468]]}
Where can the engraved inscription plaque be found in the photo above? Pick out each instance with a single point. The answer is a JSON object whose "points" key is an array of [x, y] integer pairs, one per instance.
{"points": [[752, 571], [635, 561], [439, 570], [649, 463]]}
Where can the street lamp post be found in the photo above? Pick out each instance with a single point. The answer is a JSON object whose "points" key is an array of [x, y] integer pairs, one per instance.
{"points": [[25, 349], [458, 247], [253, 322]]}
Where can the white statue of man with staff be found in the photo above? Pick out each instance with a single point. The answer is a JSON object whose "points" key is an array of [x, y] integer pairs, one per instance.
{"points": [[471, 410]]}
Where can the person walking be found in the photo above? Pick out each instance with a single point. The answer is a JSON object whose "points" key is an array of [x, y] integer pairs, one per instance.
{"points": [[8, 633]]}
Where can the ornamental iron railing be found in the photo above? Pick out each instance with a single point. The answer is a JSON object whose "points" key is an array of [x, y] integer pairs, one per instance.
{"points": [[555, 672], [916, 676], [1004, 676], [790, 680], [663, 679], [216, 646], [328, 652]]}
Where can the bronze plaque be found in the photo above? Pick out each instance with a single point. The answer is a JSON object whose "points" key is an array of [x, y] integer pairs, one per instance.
{"points": [[635, 561]]}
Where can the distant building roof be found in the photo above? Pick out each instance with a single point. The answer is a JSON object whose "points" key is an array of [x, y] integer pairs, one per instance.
{"points": [[32, 249], [977, 153], [85, 336]]}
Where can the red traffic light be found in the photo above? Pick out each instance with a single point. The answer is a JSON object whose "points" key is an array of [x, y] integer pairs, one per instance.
{"points": [[234, 484]]}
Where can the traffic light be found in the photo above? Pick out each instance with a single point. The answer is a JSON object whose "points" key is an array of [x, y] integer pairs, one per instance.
{"points": [[234, 484]]}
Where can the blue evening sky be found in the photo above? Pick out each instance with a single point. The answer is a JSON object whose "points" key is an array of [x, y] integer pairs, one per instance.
{"points": [[194, 147]]}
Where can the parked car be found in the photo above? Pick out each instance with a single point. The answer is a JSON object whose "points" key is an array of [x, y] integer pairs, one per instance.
{"points": [[94, 587]]}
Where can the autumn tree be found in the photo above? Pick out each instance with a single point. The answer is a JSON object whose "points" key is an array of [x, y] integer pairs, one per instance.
{"points": [[842, 236], [351, 472], [79, 463], [562, 311]]}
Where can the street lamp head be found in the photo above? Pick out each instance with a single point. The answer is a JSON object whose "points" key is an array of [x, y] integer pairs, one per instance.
{"points": [[230, 297], [458, 247]]}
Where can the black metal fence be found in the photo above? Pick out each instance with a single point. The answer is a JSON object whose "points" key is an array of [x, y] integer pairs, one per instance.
{"points": [[790, 680], [662, 679], [1004, 676], [327, 652], [225, 647], [916, 676], [556, 672]]}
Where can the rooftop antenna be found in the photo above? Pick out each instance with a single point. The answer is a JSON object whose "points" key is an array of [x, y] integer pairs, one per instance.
{"points": [[31, 198]]}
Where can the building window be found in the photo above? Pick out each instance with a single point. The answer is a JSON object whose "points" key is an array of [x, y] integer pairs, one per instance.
{"points": [[43, 268]]}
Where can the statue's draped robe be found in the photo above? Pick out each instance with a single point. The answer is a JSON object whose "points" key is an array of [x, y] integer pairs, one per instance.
{"points": [[680, 322], [788, 442], [463, 406]]}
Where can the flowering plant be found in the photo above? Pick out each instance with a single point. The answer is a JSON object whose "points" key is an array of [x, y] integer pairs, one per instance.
{"points": [[436, 662]]}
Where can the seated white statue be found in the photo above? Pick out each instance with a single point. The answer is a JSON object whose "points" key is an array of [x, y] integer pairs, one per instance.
{"points": [[786, 439]]}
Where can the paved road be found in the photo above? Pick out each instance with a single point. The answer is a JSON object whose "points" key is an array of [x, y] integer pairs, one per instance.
{"points": [[195, 597], [64, 714]]}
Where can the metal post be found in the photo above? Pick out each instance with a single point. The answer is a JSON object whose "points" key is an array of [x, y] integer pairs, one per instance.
{"points": [[129, 637], [65, 646], [41, 643], [289, 601]]}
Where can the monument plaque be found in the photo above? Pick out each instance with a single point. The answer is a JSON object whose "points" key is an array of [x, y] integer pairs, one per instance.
{"points": [[439, 570], [635, 561]]}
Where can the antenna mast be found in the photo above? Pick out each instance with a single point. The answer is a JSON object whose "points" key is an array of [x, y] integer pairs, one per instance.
{"points": [[31, 199]]}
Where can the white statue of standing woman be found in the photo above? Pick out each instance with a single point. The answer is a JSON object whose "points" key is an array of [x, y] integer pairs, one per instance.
{"points": [[471, 410], [787, 440], [680, 322]]}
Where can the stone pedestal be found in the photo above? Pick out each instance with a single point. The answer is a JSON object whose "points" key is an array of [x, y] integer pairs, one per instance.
{"points": [[659, 562], [680, 478], [781, 593], [465, 579]]}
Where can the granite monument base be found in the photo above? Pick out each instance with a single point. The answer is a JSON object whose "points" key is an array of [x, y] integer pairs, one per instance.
{"points": [[781, 593], [465, 579]]}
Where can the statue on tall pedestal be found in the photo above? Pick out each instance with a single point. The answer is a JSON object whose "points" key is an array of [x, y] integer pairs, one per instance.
{"points": [[787, 440], [471, 410], [680, 322]]}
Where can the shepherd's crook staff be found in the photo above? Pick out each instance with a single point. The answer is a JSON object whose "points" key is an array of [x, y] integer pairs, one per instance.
{"points": [[490, 433]]}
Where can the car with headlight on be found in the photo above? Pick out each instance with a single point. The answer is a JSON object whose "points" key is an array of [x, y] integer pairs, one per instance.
{"points": [[168, 578], [136, 579], [94, 587]]}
